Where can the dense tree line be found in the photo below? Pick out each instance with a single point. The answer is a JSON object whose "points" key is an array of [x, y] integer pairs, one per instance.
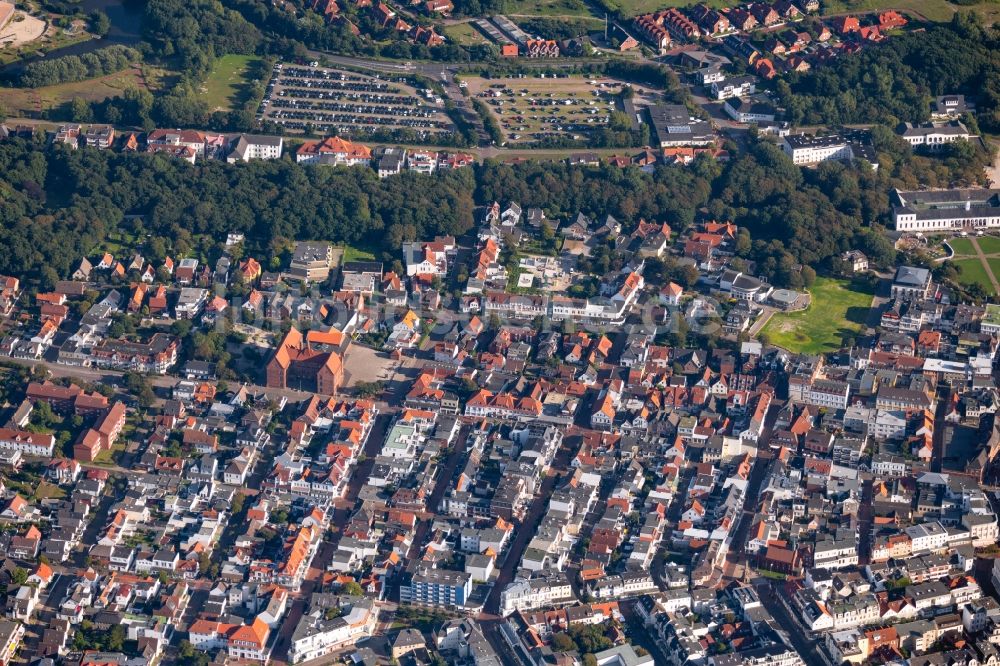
{"points": [[896, 81], [69, 68], [44, 229], [59, 203], [671, 194], [194, 32], [290, 36]]}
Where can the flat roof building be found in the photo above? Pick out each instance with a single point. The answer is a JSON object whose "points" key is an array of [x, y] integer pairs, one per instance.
{"points": [[674, 125]]}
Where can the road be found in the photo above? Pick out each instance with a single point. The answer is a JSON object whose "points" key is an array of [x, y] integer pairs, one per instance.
{"points": [[640, 634], [445, 474], [865, 526], [794, 632], [758, 474], [342, 512], [879, 301], [524, 529], [165, 381], [941, 428]]}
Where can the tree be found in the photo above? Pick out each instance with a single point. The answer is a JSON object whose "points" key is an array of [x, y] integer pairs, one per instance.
{"points": [[116, 638], [353, 589], [20, 576], [239, 499], [138, 386], [204, 562], [99, 23], [80, 110], [590, 638], [563, 642]]}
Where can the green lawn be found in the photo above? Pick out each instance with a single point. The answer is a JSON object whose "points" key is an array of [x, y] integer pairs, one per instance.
{"points": [[989, 244], [47, 490], [972, 271], [933, 10], [548, 8], [465, 34], [352, 253], [228, 86], [994, 263], [636, 7], [30, 102], [838, 309], [962, 246]]}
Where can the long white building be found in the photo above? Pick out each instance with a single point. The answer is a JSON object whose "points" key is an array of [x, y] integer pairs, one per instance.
{"points": [[28, 443], [933, 136], [805, 149], [946, 210], [315, 636], [550, 589]]}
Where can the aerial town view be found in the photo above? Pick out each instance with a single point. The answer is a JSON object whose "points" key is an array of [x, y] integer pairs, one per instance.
{"points": [[499, 332]]}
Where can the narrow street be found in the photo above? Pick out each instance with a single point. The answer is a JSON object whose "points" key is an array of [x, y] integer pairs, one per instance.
{"points": [[445, 475], [639, 633], [758, 473], [865, 523], [525, 529], [794, 632]]}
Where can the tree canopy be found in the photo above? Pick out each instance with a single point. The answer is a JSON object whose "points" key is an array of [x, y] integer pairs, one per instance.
{"points": [[61, 203], [896, 81]]}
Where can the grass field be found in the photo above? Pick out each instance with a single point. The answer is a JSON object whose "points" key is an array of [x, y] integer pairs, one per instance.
{"points": [[465, 34], [994, 263], [227, 86], [933, 10], [973, 272], [838, 309], [27, 102], [988, 244], [636, 7], [967, 260], [352, 253], [961, 246], [548, 8]]}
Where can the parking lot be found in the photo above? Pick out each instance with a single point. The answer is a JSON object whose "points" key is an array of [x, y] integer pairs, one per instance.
{"points": [[333, 101], [533, 108]]}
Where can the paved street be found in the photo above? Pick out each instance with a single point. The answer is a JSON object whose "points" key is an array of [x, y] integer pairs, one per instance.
{"points": [[805, 642]]}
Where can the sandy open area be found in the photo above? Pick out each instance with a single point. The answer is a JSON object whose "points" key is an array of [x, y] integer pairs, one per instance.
{"points": [[23, 28]]}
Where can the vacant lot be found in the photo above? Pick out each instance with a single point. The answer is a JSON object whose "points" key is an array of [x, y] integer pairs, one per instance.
{"points": [[30, 102], [22, 29], [28, 35], [838, 309], [363, 364], [229, 84]]}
